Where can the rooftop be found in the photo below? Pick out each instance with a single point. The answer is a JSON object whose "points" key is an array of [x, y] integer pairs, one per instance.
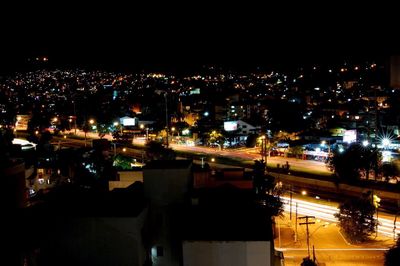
{"points": [[226, 214]]}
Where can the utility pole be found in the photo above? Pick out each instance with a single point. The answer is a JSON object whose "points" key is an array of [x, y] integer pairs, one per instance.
{"points": [[394, 226], [307, 231], [279, 233], [74, 116], [295, 225], [291, 202], [166, 117], [266, 153], [313, 253]]}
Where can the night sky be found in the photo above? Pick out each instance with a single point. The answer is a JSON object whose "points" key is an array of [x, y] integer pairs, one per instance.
{"points": [[134, 37]]}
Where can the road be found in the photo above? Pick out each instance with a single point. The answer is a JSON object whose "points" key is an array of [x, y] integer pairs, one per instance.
{"points": [[330, 246], [247, 154], [325, 211]]}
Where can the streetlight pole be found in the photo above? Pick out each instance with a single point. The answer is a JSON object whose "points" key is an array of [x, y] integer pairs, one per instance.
{"points": [[166, 117], [74, 115]]}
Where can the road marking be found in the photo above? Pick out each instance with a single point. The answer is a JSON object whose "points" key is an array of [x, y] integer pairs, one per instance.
{"points": [[344, 238], [335, 249]]}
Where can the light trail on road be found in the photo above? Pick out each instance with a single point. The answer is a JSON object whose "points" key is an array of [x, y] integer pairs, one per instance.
{"points": [[326, 213], [335, 249]]}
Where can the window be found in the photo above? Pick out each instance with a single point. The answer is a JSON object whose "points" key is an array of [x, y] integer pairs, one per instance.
{"points": [[244, 126]]}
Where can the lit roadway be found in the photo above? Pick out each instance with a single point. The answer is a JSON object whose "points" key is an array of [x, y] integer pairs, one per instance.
{"points": [[330, 246], [249, 154]]}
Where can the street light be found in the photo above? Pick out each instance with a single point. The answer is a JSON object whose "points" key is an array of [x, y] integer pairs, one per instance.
{"points": [[376, 202], [324, 142], [322, 225], [385, 142], [264, 153]]}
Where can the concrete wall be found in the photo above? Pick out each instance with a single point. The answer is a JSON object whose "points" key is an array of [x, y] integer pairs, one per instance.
{"points": [[126, 178], [233, 253], [14, 194], [100, 241], [166, 186]]}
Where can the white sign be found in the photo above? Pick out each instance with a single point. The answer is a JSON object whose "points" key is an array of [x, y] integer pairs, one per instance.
{"points": [[350, 136], [230, 126], [127, 121]]}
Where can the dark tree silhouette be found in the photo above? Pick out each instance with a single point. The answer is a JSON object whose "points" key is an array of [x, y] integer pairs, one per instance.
{"points": [[356, 218], [392, 256], [355, 161], [156, 151], [265, 189]]}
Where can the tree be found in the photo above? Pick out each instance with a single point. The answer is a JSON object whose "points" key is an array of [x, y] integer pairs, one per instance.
{"points": [[266, 190], [216, 138], [354, 162], [392, 256], [156, 151], [251, 140], [123, 162], [389, 171], [308, 262], [103, 130], [356, 218], [297, 151]]}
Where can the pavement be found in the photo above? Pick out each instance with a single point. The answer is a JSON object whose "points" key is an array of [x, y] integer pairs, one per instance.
{"points": [[331, 248]]}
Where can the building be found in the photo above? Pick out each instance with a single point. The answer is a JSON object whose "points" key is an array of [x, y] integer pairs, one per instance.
{"points": [[166, 185], [73, 226], [224, 226], [395, 71]]}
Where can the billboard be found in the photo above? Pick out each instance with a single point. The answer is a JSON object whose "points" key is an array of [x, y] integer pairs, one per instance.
{"points": [[22, 122], [128, 121], [230, 126], [350, 136]]}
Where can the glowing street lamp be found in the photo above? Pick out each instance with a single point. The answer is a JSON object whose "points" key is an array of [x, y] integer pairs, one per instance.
{"points": [[365, 143], [385, 142], [91, 121]]}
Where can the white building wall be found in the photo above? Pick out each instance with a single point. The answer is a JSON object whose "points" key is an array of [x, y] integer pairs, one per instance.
{"points": [[233, 253]]}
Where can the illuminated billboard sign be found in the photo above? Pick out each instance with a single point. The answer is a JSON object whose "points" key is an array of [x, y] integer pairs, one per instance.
{"points": [[230, 126], [22, 122], [128, 121], [350, 136]]}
